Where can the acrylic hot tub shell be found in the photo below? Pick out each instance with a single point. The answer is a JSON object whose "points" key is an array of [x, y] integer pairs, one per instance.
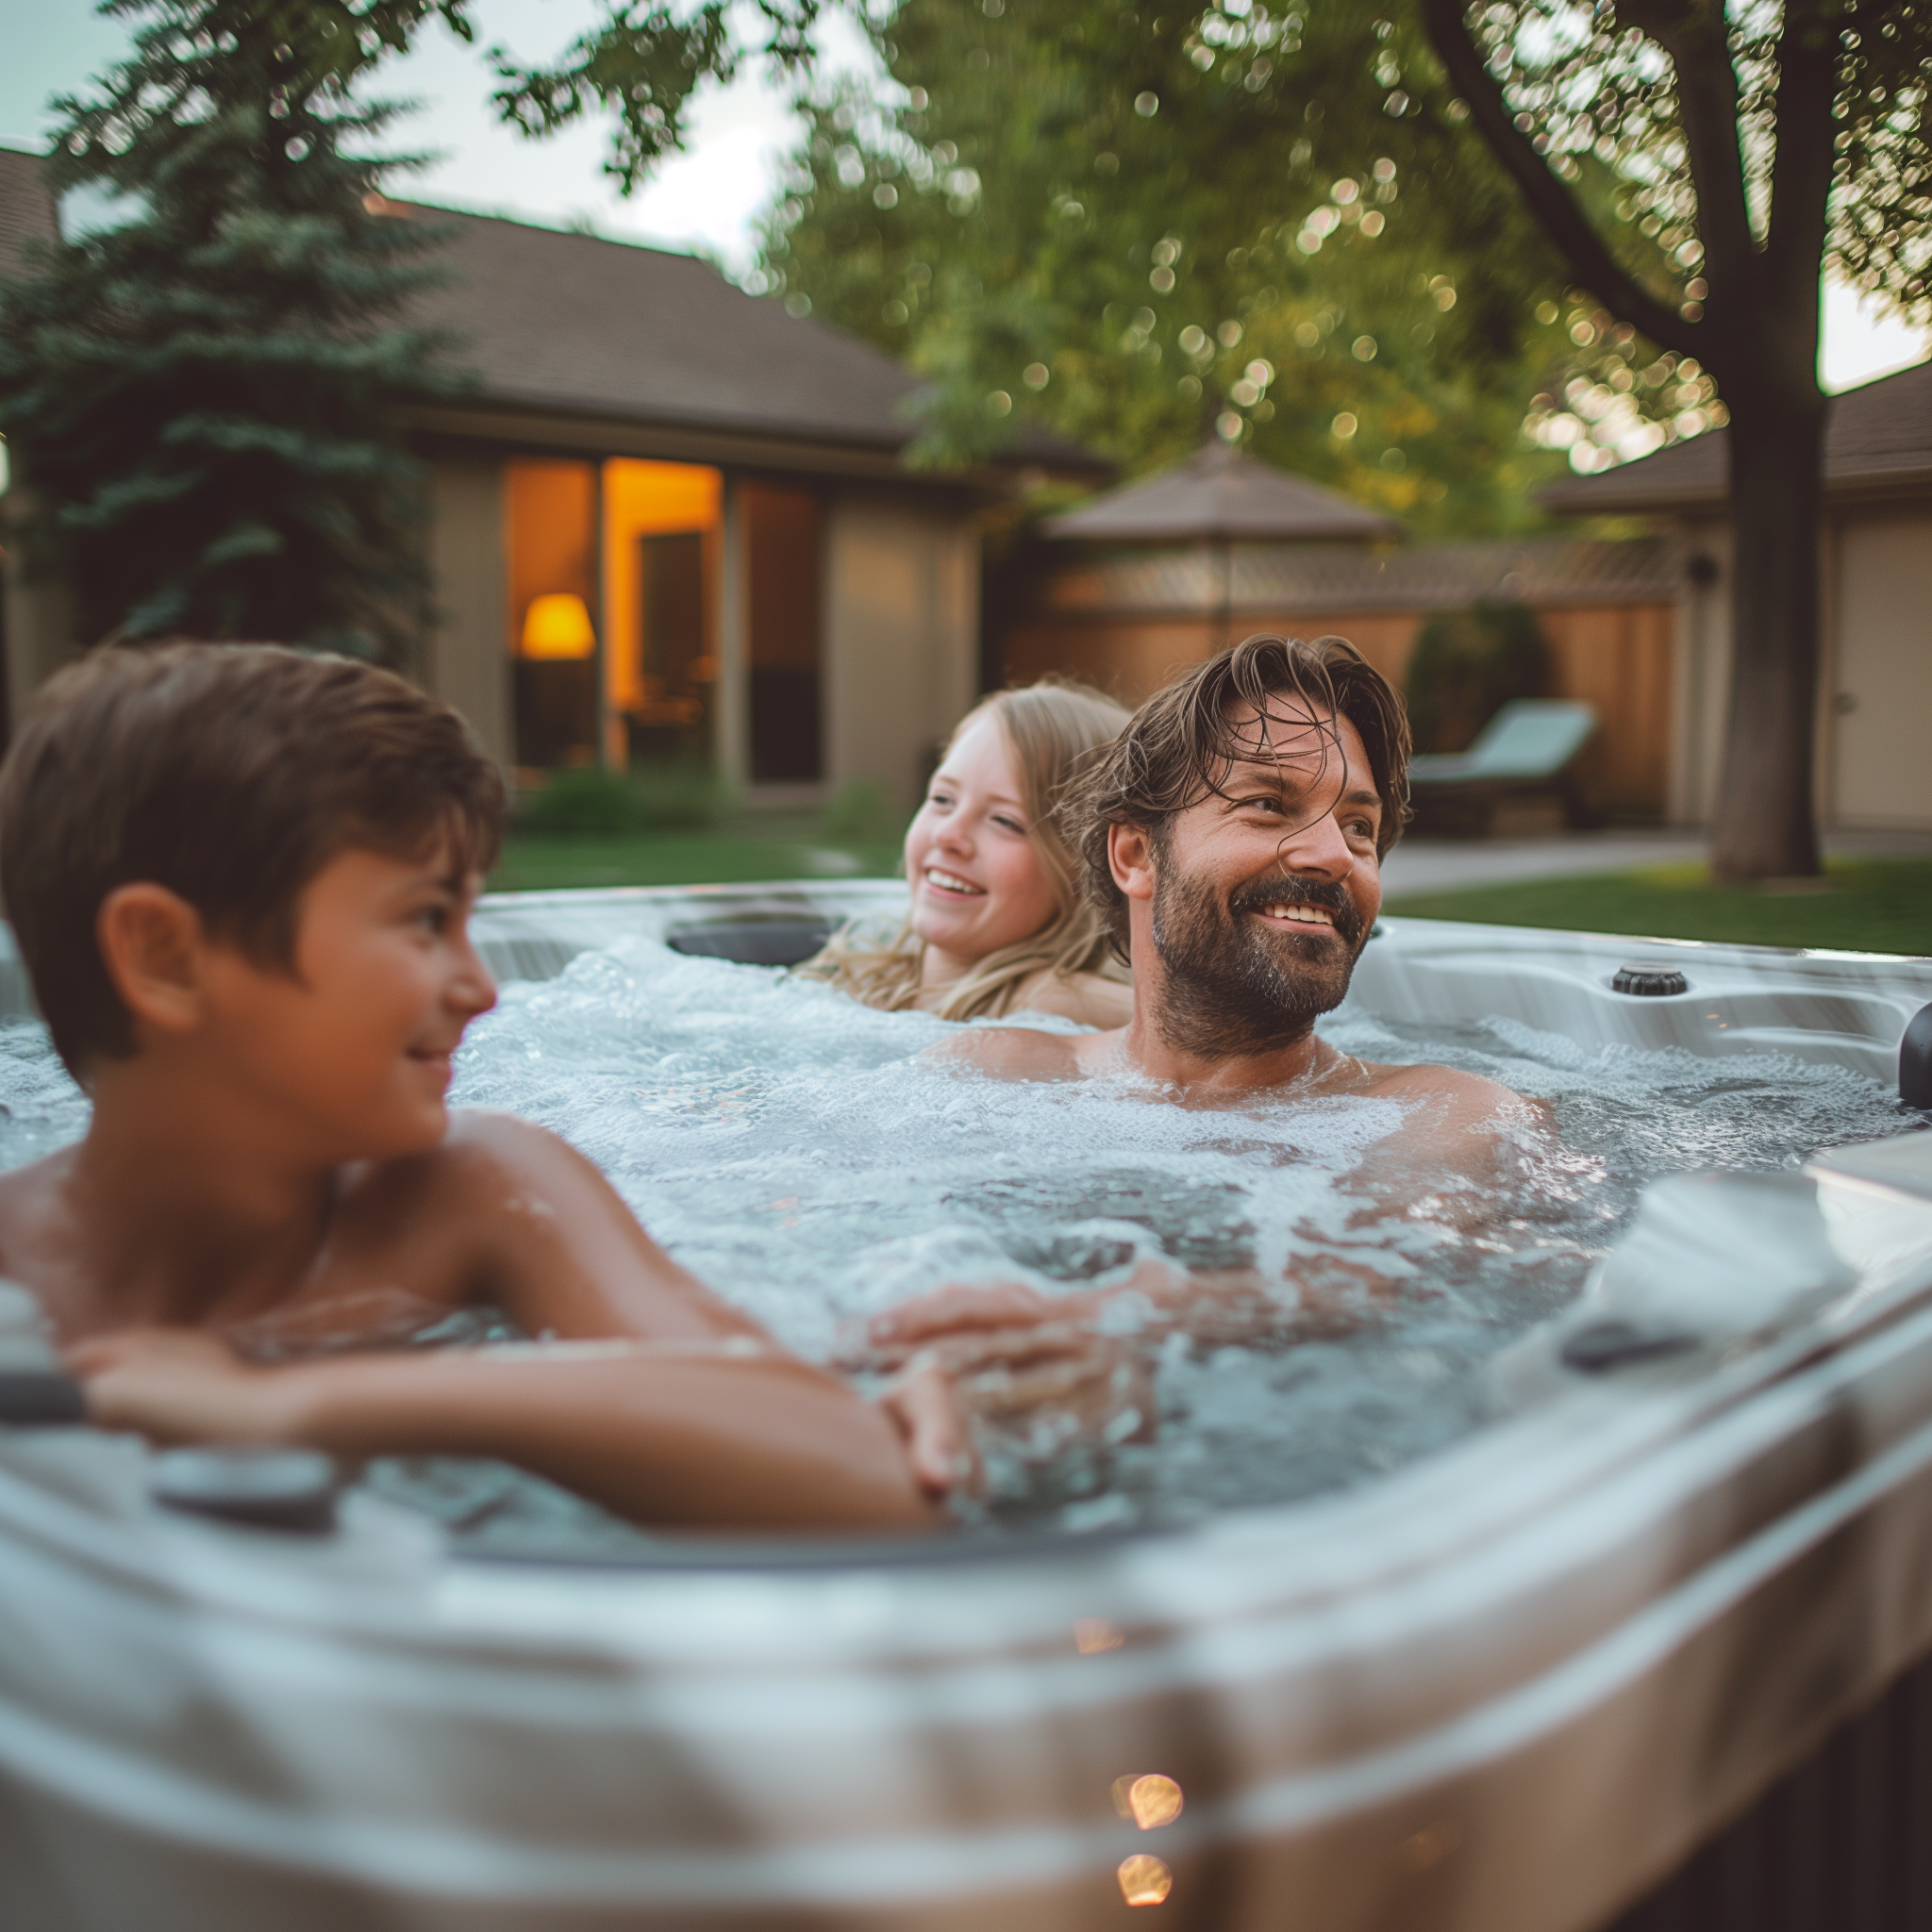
{"points": [[1504, 1690]]}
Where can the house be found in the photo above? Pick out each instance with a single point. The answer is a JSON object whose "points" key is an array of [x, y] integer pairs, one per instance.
{"points": [[1875, 681], [668, 518], [1149, 579]]}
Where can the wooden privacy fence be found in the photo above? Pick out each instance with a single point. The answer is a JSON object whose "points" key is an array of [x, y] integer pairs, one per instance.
{"points": [[1129, 622]]}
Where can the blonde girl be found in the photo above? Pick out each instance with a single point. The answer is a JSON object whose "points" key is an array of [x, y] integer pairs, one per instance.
{"points": [[998, 923]]}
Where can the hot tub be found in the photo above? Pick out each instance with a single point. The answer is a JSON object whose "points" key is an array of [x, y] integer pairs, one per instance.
{"points": [[1509, 1689]]}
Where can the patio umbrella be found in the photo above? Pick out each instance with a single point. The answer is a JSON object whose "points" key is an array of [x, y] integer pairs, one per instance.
{"points": [[1221, 497]]}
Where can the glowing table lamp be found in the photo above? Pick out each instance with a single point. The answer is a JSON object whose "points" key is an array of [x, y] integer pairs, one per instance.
{"points": [[558, 626]]}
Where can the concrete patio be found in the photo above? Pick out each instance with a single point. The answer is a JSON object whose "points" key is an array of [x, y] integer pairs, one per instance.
{"points": [[1442, 865]]}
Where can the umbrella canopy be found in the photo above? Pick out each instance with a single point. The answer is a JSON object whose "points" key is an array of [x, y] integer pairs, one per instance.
{"points": [[1219, 495]]}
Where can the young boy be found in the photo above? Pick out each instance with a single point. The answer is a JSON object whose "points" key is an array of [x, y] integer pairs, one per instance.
{"points": [[240, 878]]}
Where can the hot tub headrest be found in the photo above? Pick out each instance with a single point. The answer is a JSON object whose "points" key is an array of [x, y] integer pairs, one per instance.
{"points": [[787, 942], [1915, 1062]]}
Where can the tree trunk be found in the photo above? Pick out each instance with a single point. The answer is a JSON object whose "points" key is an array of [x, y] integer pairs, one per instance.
{"points": [[1762, 824]]}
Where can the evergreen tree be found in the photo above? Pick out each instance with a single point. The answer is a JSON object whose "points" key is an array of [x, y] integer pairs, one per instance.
{"points": [[201, 394], [1131, 227]]}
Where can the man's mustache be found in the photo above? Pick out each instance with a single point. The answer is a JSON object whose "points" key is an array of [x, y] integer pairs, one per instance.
{"points": [[1292, 891]]}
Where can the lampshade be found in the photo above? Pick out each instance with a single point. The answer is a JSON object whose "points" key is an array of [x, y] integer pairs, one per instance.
{"points": [[558, 626]]}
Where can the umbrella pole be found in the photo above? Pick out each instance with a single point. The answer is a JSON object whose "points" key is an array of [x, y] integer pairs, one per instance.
{"points": [[1226, 618]]}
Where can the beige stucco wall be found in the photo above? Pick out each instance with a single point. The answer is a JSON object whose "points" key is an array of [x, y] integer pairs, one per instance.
{"points": [[901, 637], [465, 661], [1875, 679], [1878, 683]]}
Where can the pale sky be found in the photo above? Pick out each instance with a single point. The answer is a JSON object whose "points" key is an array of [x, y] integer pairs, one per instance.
{"points": [[705, 199]]}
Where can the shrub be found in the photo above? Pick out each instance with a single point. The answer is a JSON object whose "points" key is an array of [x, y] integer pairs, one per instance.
{"points": [[1467, 665], [581, 802], [681, 797], [858, 814], [653, 798]]}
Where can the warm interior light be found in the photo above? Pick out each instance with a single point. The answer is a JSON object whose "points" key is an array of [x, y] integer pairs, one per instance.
{"points": [[558, 626], [1144, 1881], [1154, 1799], [1150, 1800]]}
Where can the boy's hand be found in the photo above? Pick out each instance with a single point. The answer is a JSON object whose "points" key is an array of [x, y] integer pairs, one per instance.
{"points": [[177, 1384]]}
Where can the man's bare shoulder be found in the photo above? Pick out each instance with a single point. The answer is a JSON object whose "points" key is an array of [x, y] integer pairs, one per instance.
{"points": [[1014, 1052], [1089, 999], [1456, 1121], [1465, 1093]]}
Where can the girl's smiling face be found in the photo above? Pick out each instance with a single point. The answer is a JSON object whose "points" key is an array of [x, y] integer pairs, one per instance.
{"points": [[977, 883]]}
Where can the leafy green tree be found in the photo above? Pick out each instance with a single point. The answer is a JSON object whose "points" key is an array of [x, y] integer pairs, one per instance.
{"points": [[1130, 228], [1753, 147]]}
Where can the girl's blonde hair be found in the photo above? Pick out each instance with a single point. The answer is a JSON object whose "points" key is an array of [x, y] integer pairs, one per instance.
{"points": [[1052, 729]]}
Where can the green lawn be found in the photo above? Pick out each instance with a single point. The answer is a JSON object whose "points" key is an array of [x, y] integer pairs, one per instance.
{"points": [[1869, 905], [774, 849], [1878, 906]]}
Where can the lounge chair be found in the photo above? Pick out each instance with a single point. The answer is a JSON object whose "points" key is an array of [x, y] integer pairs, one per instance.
{"points": [[1512, 780]]}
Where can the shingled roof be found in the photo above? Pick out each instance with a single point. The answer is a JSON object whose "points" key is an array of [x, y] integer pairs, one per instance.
{"points": [[1220, 495], [568, 325], [576, 323], [1878, 438]]}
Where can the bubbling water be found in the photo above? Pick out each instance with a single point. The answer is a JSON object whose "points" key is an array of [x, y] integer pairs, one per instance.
{"points": [[794, 1151]]}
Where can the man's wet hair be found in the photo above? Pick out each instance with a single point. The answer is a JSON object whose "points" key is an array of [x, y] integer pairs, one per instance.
{"points": [[232, 774], [1181, 744]]}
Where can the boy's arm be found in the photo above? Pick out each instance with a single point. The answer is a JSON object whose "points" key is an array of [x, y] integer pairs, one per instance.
{"points": [[691, 1436]]}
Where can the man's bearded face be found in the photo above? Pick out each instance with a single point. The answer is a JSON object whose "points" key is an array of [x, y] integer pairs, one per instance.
{"points": [[1264, 898]]}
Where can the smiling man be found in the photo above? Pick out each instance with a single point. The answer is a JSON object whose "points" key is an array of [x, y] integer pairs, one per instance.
{"points": [[1232, 838]]}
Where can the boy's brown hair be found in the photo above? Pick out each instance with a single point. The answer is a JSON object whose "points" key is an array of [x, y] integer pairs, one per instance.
{"points": [[232, 774], [1178, 747]]}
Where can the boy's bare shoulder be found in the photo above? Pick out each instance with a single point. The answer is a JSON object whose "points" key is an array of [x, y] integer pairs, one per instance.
{"points": [[484, 1166], [29, 1200], [1011, 1053]]}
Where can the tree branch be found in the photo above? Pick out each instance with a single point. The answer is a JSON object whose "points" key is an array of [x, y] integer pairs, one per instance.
{"points": [[1802, 171], [1695, 39], [1552, 203]]}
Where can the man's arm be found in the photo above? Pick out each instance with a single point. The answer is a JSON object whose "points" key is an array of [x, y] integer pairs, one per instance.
{"points": [[718, 1436], [966, 1329], [1464, 1145]]}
